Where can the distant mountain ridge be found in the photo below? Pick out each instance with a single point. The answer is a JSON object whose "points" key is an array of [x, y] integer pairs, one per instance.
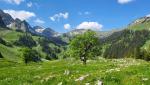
{"points": [[24, 26], [7, 21], [16, 24]]}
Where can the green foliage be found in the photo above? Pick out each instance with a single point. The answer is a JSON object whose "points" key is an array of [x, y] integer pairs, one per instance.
{"points": [[84, 46], [145, 51], [44, 43], [26, 40], [140, 26], [31, 55], [1, 56], [126, 44], [49, 48], [2, 41]]}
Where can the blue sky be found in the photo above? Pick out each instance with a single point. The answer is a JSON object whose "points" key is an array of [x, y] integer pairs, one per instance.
{"points": [[65, 15]]}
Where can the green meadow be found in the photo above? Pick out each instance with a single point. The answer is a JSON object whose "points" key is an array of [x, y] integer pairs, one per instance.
{"points": [[73, 72]]}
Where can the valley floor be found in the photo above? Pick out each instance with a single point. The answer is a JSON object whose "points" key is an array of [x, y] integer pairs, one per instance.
{"points": [[72, 72]]}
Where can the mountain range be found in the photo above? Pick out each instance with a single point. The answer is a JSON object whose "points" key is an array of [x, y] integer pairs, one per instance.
{"points": [[24, 26], [127, 42]]}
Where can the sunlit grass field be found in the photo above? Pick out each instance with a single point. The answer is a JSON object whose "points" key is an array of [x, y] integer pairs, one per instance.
{"points": [[73, 72]]}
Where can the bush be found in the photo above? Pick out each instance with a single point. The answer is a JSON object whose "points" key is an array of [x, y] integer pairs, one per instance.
{"points": [[51, 51], [5, 43], [2, 41], [1, 56], [51, 56], [31, 55], [145, 52]]}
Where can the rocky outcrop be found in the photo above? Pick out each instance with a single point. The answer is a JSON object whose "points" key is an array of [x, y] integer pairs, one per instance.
{"points": [[2, 24], [7, 19], [140, 20]]}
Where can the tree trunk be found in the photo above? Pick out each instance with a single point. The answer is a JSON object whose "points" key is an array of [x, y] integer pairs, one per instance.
{"points": [[84, 62]]}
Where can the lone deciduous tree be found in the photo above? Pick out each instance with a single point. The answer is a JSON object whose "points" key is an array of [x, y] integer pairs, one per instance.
{"points": [[84, 46]]}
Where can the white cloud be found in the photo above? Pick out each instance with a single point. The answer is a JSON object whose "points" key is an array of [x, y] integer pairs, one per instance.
{"points": [[57, 17], [29, 4], [22, 15], [148, 15], [87, 13], [124, 1], [67, 26], [84, 13], [14, 1], [90, 25], [39, 21]]}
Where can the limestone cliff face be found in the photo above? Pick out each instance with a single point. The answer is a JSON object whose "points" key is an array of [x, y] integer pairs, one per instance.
{"points": [[7, 19]]}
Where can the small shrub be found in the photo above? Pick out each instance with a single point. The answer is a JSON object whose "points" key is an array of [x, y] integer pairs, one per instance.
{"points": [[2, 41], [1, 56], [31, 55]]}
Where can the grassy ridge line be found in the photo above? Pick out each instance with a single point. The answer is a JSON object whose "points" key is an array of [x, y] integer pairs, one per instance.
{"points": [[71, 72], [141, 26]]}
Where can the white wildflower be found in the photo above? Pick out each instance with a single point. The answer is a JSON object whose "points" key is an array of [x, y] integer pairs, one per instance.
{"points": [[82, 77], [87, 83], [67, 72], [145, 79], [99, 82], [59, 83]]}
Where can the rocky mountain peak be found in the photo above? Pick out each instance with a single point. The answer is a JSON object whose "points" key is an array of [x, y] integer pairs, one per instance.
{"points": [[38, 29], [49, 32], [7, 19], [2, 24], [141, 20], [18, 20]]}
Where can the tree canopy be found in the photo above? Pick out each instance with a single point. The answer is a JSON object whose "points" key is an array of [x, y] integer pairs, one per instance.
{"points": [[84, 46], [31, 55], [26, 40]]}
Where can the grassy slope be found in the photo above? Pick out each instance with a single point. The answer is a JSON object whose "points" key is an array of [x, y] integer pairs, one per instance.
{"points": [[110, 72], [11, 53], [141, 26], [9, 35]]}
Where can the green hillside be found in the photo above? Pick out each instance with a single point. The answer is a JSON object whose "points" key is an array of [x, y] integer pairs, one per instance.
{"points": [[126, 43], [13, 52], [9, 35]]}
